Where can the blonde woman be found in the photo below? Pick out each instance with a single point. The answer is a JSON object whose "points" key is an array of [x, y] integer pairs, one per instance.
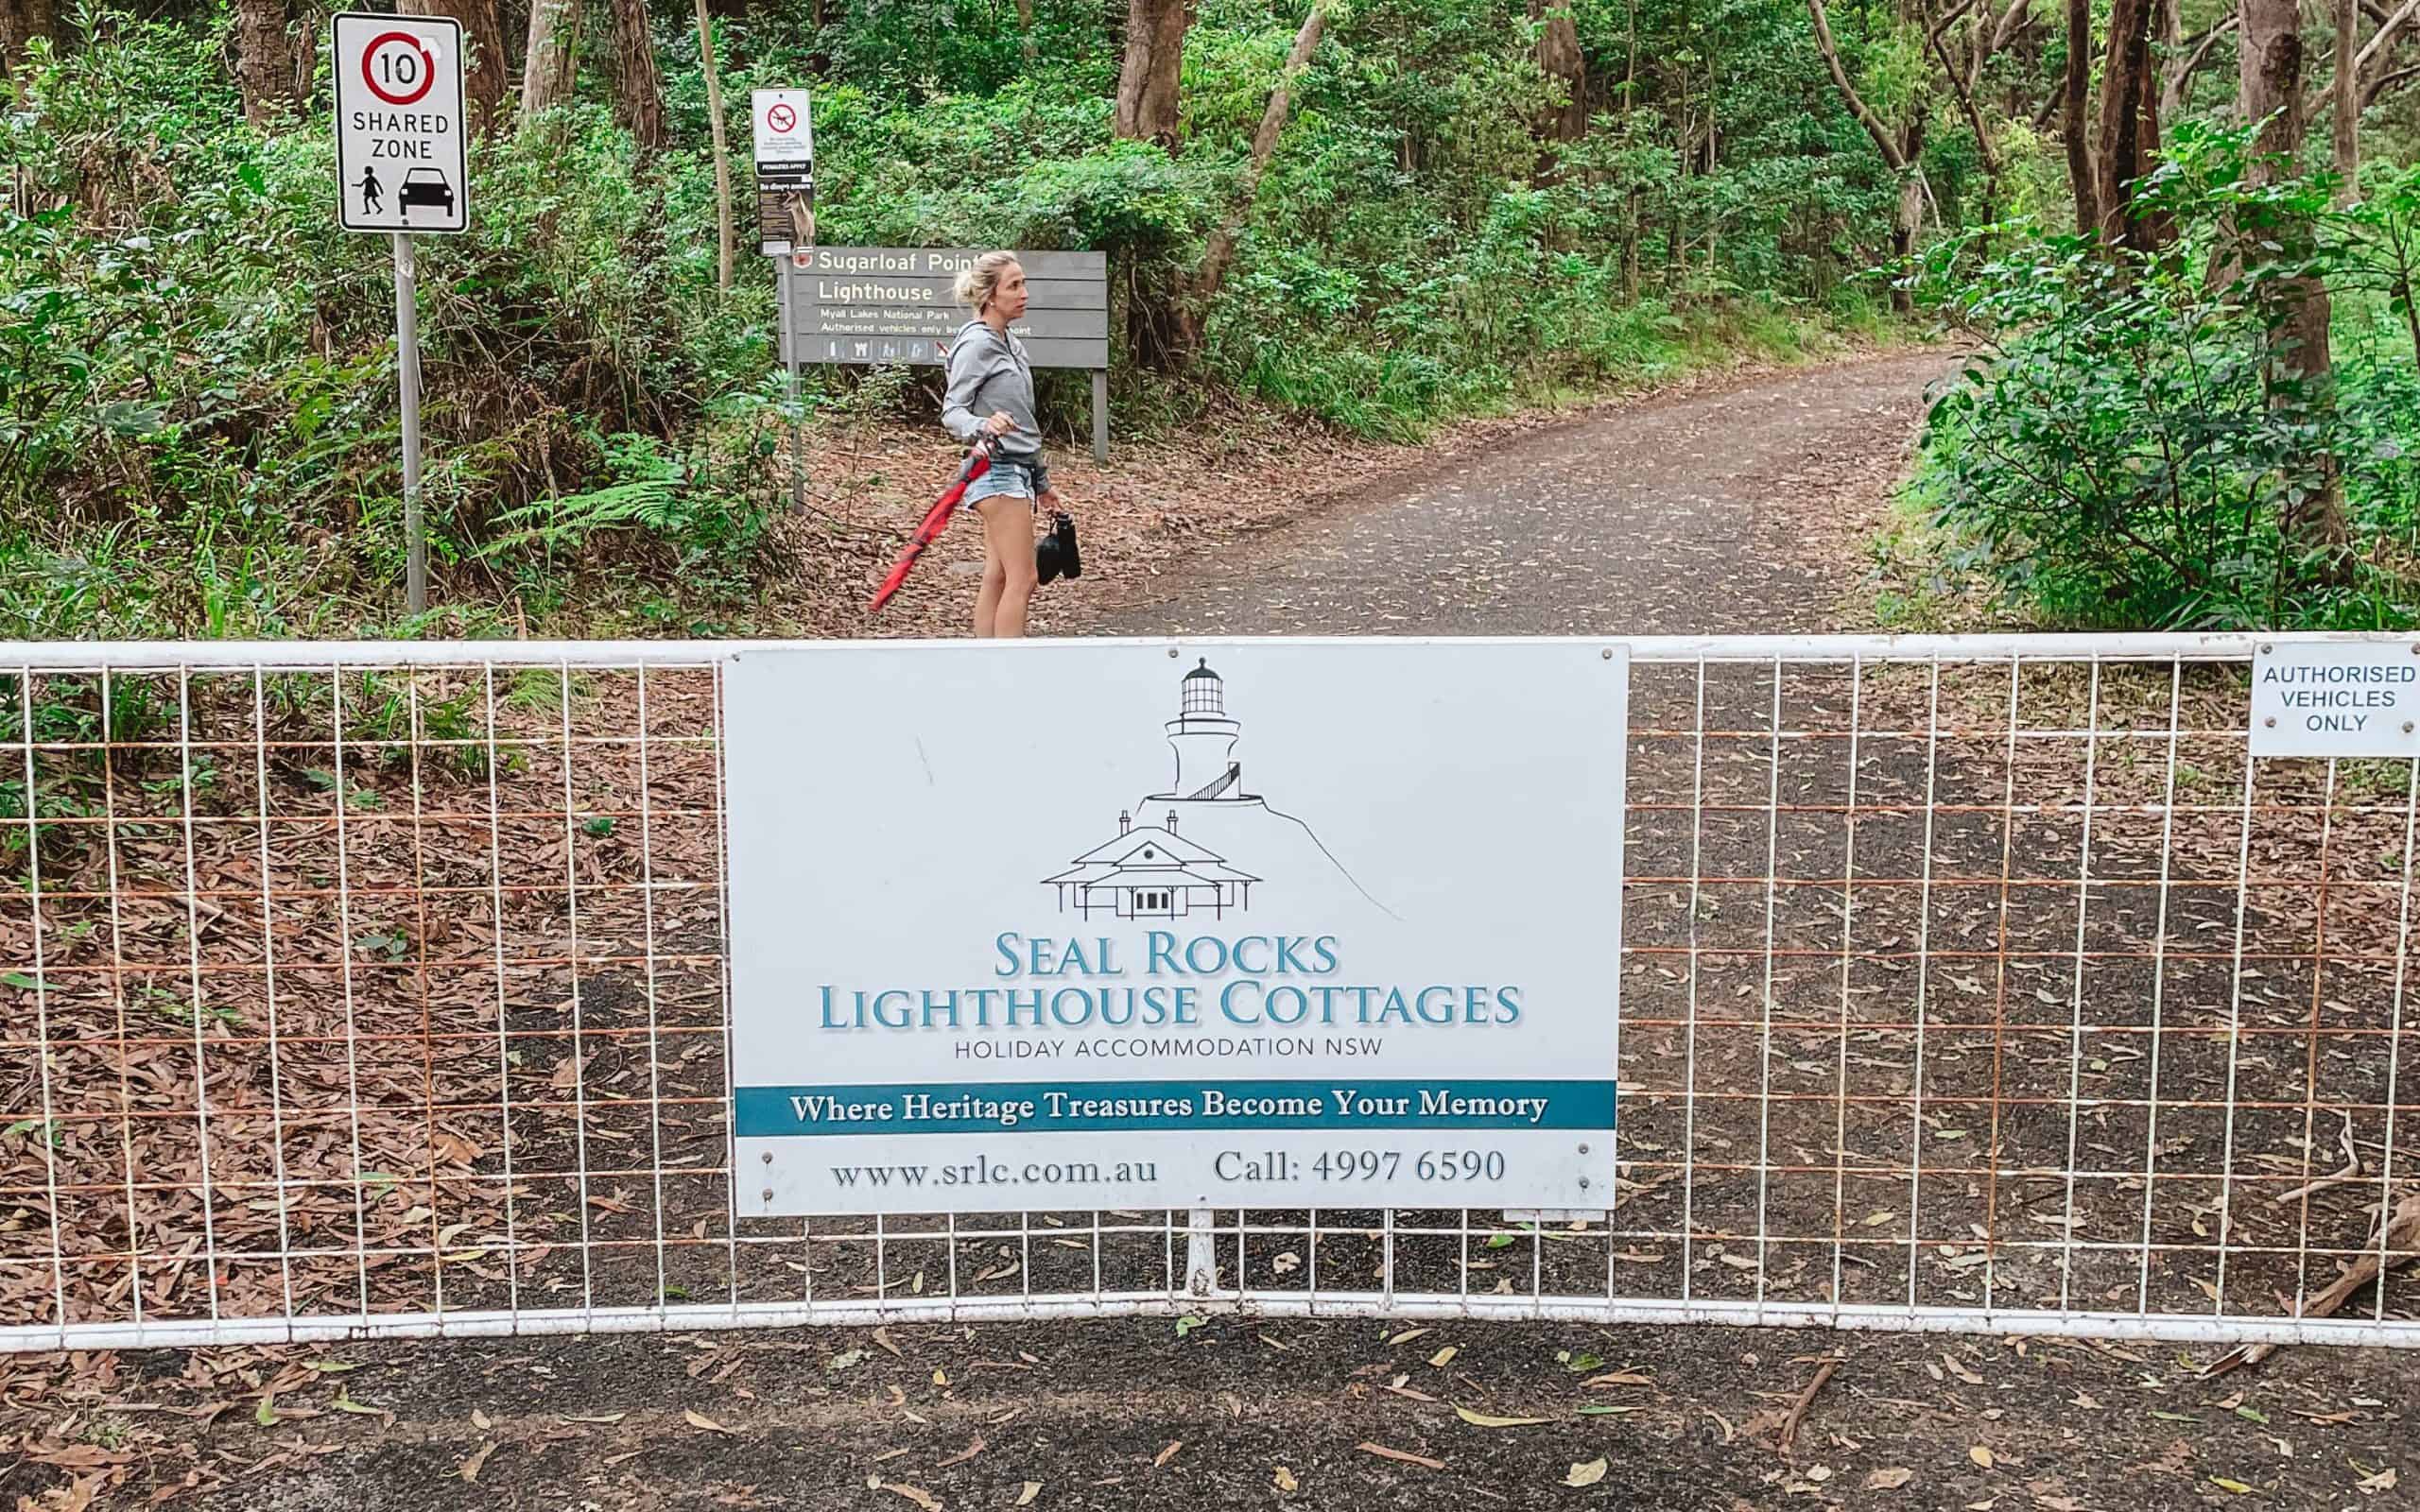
{"points": [[991, 396]]}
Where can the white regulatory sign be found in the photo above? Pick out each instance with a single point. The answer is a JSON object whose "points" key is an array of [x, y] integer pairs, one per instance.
{"points": [[400, 158], [783, 135], [1239, 923], [784, 143], [2336, 698]]}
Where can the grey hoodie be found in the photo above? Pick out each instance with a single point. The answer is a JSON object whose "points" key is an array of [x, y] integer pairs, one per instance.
{"points": [[990, 372]]}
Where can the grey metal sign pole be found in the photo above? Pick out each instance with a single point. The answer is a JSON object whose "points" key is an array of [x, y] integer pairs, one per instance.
{"points": [[784, 156], [408, 381], [791, 358]]}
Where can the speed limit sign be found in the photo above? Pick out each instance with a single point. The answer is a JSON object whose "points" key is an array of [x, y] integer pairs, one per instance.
{"points": [[400, 128], [402, 167]]}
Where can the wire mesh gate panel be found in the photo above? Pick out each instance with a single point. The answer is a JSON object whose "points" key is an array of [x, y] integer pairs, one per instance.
{"points": [[1968, 983]]}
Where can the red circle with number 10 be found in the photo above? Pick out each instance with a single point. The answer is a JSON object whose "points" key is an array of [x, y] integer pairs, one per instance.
{"points": [[420, 59], [781, 117]]}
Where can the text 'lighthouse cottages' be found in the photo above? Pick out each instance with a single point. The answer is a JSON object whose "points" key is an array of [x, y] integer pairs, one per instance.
{"points": [[1151, 870]]}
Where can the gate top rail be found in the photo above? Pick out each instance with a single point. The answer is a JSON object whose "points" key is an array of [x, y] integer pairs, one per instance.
{"points": [[168, 656]]}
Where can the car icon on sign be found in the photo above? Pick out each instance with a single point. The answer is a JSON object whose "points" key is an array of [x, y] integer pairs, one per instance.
{"points": [[425, 186]]}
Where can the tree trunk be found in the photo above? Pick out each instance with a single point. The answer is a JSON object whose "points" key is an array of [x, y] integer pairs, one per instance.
{"points": [[547, 66], [1683, 132], [264, 59], [1632, 231], [1903, 151], [1883, 141], [302, 51], [722, 153], [1024, 30], [2347, 99], [20, 22], [1220, 254], [1965, 82], [2118, 153], [483, 67], [2371, 61], [638, 85], [1910, 219], [2084, 175], [1713, 111], [1159, 333], [2298, 370], [1559, 57], [1630, 64], [1147, 81], [2149, 232], [1672, 270]]}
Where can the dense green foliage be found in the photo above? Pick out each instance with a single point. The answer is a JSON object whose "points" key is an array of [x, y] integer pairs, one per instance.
{"points": [[198, 426], [197, 422], [196, 403], [2112, 454]]}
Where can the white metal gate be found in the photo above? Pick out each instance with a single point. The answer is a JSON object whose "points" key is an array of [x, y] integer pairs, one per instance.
{"points": [[1974, 983]]}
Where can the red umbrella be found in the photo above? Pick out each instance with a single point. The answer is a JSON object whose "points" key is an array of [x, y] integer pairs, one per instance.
{"points": [[978, 461]]}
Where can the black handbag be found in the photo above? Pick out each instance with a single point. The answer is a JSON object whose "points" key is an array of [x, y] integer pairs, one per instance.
{"points": [[1056, 554]]}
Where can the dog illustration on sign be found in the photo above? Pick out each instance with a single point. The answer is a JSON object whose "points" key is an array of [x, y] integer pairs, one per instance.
{"points": [[1187, 864]]}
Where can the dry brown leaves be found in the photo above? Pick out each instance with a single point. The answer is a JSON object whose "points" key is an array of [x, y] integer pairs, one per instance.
{"points": [[1400, 1455]]}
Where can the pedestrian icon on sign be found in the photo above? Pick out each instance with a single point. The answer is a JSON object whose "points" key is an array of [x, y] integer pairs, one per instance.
{"points": [[369, 192]]}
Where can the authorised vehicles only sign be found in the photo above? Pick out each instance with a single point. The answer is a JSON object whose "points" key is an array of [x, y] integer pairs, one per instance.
{"points": [[2348, 698], [401, 158]]}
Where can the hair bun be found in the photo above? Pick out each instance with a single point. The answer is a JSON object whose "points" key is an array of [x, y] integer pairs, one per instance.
{"points": [[978, 282]]}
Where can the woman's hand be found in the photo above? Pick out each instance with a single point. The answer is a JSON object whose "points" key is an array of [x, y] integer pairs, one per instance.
{"points": [[1052, 499], [999, 424]]}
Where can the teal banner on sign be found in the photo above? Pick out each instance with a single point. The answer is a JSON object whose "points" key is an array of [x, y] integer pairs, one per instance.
{"points": [[1109, 1107]]}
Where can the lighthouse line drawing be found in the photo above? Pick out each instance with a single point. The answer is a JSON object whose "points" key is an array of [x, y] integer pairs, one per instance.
{"points": [[1185, 863], [1204, 738]]}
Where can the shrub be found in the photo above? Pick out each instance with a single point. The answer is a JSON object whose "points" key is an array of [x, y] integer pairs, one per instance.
{"points": [[2112, 453]]}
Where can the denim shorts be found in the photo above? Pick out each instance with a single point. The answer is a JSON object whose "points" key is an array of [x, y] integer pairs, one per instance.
{"points": [[1002, 479]]}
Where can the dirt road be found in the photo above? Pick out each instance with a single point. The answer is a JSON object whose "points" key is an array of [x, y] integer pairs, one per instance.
{"points": [[1740, 509], [1735, 508]]}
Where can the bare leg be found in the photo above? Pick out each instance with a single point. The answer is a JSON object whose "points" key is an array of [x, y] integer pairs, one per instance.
{"points": [[986, 595], [1007, 543]]}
